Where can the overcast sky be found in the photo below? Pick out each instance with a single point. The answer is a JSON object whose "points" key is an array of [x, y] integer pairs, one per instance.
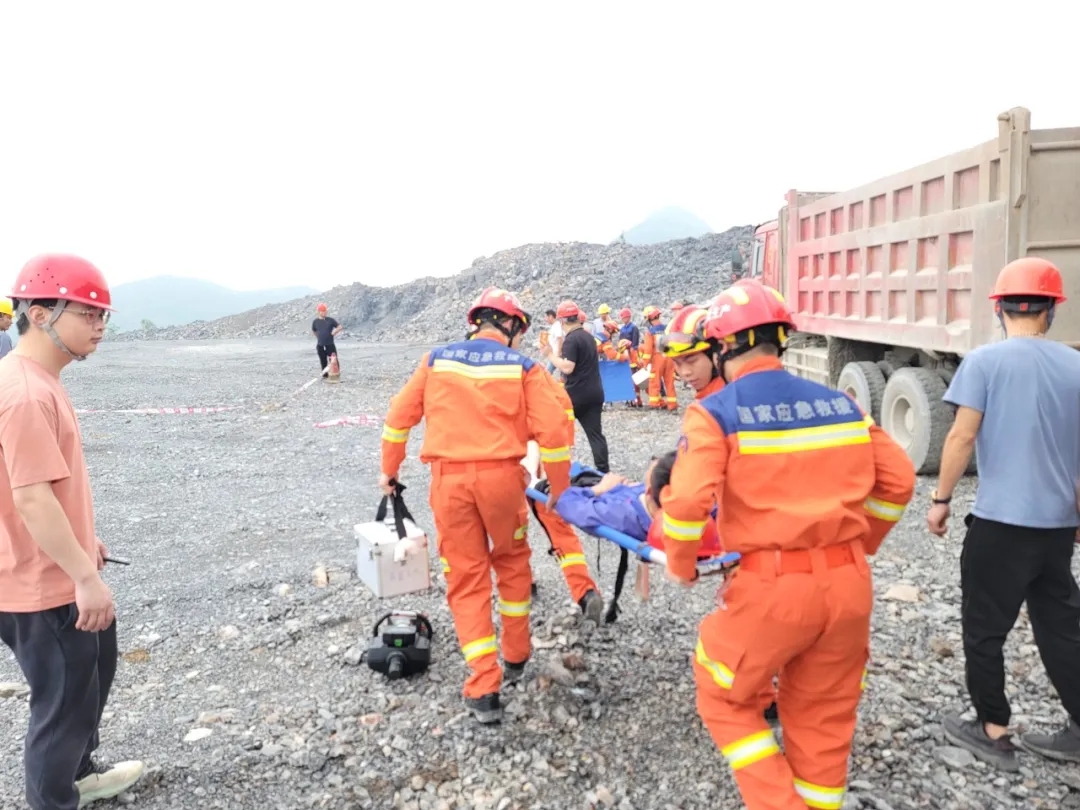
{"points": [[264, 144]]}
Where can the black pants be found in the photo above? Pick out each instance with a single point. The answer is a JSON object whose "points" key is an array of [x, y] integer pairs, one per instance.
{"points": [[589, 416], [1001, 567], [324, 354], [70, 673]]}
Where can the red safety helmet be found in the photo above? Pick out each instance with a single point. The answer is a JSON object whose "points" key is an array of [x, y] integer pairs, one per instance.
{"points": [[500, 301], [677, 306], [568, 309], [744, 307], [685, 335], [321, 308], [625, 313], [63, 277], [1028, 277]]}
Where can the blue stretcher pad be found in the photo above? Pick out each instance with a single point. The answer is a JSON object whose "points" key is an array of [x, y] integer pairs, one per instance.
{"points": [[617, 380]]}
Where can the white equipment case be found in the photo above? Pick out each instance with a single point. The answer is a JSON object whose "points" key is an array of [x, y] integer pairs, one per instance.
{"points": [[392, 551]]}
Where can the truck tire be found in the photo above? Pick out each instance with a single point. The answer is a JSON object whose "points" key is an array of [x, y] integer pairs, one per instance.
{"points": [[915, 415], [863, 382]]}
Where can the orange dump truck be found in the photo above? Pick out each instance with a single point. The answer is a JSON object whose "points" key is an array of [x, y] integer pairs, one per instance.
{"points": [[889, 282]]}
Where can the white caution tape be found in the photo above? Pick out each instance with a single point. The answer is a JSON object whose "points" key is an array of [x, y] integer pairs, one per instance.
{"points": [[364, 420], [176, 411]]}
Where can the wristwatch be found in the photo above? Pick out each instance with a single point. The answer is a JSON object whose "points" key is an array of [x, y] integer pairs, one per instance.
{"points": [[936, 499]]}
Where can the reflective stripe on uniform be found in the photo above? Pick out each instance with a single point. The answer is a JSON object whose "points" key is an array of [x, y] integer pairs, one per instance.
{"points": [[570, 414], [687, 530], [750, 749], [797, 440], [825, 798], [552, 454], [883, 510], [506, 371], [520, 532], [482, 646], [723, 676], [514, 608], [445, 565], [395, 435], [572, 559], [864, 680]]}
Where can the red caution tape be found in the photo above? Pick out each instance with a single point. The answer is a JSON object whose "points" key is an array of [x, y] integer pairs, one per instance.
{"points": [[364, 420], [176, 411]]}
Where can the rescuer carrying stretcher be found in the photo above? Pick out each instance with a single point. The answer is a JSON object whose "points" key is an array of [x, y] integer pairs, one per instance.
{"points": [[800, 601], [482, 400]]}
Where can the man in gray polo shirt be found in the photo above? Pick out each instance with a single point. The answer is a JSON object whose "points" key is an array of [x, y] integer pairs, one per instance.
{"points": [[1018, 405]]}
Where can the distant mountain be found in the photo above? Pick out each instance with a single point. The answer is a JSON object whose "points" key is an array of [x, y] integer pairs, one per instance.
{"points": [[173, 301], [666, 225]]}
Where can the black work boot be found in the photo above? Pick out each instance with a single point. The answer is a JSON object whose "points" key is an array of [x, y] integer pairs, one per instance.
{"points": [[512, 673], [971, 736], [592, 606], [772, 715], [1063, 746], [486, 709]]}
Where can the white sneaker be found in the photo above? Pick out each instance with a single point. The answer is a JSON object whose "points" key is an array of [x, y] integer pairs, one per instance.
{"points": [[108, 781]]}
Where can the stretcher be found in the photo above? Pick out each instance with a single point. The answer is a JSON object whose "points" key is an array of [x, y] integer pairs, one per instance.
{"points": [[645, 552]]}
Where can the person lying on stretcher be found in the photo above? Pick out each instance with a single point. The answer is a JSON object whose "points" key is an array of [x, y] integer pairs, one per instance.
{"points": [[629, 507]]}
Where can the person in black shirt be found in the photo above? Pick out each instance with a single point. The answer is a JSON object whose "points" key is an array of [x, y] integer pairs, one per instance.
{"points": [[580, 367], [325, 330]]}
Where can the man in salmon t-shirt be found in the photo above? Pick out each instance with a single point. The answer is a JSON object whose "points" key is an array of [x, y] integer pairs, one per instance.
{"points": [[56, 613]]}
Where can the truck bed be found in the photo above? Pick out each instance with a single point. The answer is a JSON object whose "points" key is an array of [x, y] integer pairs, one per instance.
{"points": [[909, 260]]}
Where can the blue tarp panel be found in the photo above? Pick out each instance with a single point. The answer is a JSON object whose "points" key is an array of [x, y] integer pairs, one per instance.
{"points": [[618, 384]]}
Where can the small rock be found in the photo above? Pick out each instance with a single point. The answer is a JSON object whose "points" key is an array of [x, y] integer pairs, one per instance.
{"points": [[603, 795], [555, 670], [319, 577], [902, 593], [353, 655], [12, 689], [228, 631], [197, 734], [955, 757], [284, 589]]}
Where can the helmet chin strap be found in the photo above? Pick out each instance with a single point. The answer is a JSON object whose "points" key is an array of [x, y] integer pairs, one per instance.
{"points": [[24, 309]]}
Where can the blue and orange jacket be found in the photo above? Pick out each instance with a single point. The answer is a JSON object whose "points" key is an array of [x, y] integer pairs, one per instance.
{"points": [[482, 401], [792, 464], [630, 331]]}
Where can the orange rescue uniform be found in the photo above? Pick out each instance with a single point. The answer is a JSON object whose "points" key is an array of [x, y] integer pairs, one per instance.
{"points": [[662, 371], [565, 543], [715, 384], [800, 601], [482, 402]]}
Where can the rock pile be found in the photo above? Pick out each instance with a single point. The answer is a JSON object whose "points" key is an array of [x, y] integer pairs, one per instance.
{"points": [[431, 308]]}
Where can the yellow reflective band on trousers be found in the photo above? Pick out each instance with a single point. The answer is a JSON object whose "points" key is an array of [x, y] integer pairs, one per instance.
{"points": [[865, 678], [520, 532], [883, 510], [750, 749], [723, 676], [395, 435], [570, 414], [445, 565], [552, 454], [797, 440], [509, 371], [688, 530], [514, 608], [572, 559], [482, 646], [819, 796]]}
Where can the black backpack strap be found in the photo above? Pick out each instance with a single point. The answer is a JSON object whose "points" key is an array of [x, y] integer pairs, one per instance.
{"points": [[620, 580], [400, 510]]}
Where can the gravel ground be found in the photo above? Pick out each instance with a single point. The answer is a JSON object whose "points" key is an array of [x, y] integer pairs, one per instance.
{"points": [[240, 617]]}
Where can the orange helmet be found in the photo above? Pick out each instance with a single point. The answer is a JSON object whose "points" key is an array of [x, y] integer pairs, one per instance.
{"points": [[496, 303], [651, 313], [568, 309], [685, 335], [321, 308], [741, 309], [1030, 277]]}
